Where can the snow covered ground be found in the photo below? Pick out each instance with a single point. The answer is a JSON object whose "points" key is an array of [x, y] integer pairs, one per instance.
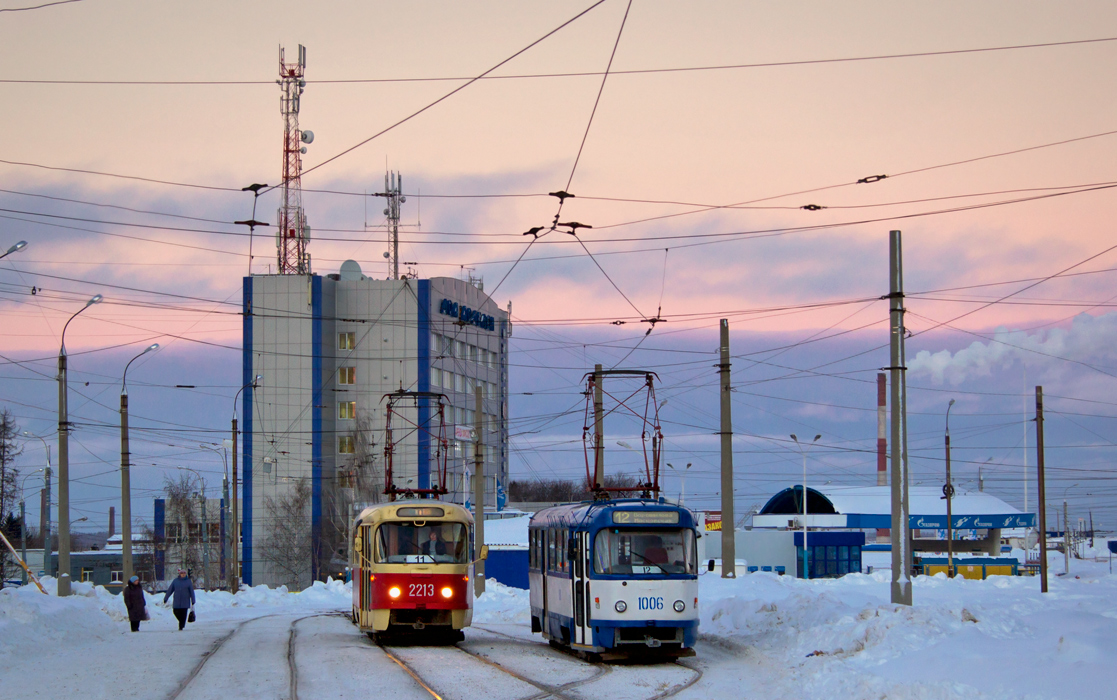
{"points": [[776, 637]]}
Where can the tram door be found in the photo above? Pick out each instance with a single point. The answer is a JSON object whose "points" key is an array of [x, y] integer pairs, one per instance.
{"points": [[581, 633]]}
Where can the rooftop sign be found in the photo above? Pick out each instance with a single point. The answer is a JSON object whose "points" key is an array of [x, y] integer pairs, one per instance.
{"points": [[466, 315]]}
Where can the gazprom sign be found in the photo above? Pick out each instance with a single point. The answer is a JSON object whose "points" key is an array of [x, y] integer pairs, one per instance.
{"points": [[466, 315]]}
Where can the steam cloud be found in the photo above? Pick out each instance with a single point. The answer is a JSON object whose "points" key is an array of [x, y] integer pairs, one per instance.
{"points": [[1089, 337]]}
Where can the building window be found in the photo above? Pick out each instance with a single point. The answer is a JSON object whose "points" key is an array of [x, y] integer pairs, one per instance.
{"points": [[214, 532], [346, 341], [194, 532], [345, 445], [436, 377], [448, 380], [447, 347], [347, 410], [347, 375], [116, 576], [174, 532], [86, 574]]}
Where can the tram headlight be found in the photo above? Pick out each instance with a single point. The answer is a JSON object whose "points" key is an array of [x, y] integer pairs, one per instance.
{"points": [[620, 606], [447, 592], [679, 606], [393, 592]]}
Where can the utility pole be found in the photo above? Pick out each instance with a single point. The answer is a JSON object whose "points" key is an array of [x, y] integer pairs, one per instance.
{"points": [[1042, 495], [125, 491], [901, 524], [728, 523], [1066, 540], [23, 534], [479, 495], [948, 494], [598, 430]]}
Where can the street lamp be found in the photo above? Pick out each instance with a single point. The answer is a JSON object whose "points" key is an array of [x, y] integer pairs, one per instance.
{"points": [[14, 249], [235, 578], [125, 476], [1066, 532], [44, 514], [23, 522], [222, 452], [64, 462], [252, 223], [806, 556], [948, 494], [205, 529], [682, 479]]}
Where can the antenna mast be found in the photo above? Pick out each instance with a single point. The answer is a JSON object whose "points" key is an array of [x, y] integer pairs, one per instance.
{"points": [[393, 192], [293, 231]]}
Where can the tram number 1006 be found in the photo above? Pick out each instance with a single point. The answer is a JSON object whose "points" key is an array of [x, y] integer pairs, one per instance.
{"points": [[426, 590], [648, 603]]}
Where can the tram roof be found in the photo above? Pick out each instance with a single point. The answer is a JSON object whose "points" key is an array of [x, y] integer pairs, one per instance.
{"points": [[598, 513], [381, 510]]}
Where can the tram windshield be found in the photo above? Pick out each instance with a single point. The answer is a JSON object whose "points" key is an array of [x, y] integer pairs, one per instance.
{"points": [[644, 552], [414, 543]]}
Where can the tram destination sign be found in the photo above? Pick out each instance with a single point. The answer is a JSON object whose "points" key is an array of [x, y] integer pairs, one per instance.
{"points": [[645, 517]]}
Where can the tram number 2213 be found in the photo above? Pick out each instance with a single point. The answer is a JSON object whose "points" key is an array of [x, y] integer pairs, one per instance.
{"points": [[426, 590], [649, 603]]}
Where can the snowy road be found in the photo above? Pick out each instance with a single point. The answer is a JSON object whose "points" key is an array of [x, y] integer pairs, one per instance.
{"points": [[761, 635]]}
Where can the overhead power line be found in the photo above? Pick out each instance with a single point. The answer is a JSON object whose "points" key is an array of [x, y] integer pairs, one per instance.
{"points": [[571, 74]]}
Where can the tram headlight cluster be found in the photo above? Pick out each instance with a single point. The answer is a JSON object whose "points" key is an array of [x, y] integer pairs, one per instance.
{"points": [[679, 606], [393, 592], [447, 592], [620, 606]]}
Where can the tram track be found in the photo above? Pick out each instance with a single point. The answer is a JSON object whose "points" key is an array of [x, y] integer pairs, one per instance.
{"points": [[545, 690], [219, 643]]}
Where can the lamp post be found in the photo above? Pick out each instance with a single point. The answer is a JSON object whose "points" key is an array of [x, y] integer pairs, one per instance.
{"points": [[125, 476], [23, 521], [252, 223], [682, 477], [64, 462], [806, 555], [222, 452], [205, 529], [44, 514], [235, 578], [1066, 532], [948, 494], [14, 249]]}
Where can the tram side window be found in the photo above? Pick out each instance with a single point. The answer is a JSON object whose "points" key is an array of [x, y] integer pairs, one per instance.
{"points": [[550, 550]]}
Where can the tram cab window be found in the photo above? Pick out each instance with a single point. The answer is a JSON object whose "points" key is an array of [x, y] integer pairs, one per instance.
{"points": [[644, 552], [404, 542]]}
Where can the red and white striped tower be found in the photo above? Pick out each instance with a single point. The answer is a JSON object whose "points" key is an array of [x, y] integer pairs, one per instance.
{"points": [[292, 233]]}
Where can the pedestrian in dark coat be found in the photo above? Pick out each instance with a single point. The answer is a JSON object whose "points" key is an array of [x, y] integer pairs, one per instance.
{"points": [[135, 602], [183, 591]]}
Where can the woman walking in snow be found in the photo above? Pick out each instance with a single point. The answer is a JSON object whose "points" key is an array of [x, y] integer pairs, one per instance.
{"points": [[183, 591], [135, 603]]}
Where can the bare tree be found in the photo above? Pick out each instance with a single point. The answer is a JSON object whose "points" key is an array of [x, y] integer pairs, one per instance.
{"points": [[562, 491], [288, 546], [359, 482], [9, 450], [146, 557], [183, 523]]}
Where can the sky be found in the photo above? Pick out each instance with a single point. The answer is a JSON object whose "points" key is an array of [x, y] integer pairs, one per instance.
{"points": [[133, 127]]}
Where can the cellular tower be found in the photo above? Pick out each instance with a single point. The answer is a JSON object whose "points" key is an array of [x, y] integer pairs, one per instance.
{"points": [[293, 232]]}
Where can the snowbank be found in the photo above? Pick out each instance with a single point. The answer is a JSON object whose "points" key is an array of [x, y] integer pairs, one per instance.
{"points": [[502, 603]]}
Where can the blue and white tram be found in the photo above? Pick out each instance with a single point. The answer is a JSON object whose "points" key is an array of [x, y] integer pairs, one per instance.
{"points": [[615, 578]]}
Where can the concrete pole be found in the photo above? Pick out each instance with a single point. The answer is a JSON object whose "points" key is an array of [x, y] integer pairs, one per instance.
{"points": [[225, 528], [205, 539], [234, 565], [1042, 493], [728, 521], [948, 494], [598, 430], [23, 534], [479, 496], [901, 525], [63, 481], [125, 491], [1066, 540]]}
